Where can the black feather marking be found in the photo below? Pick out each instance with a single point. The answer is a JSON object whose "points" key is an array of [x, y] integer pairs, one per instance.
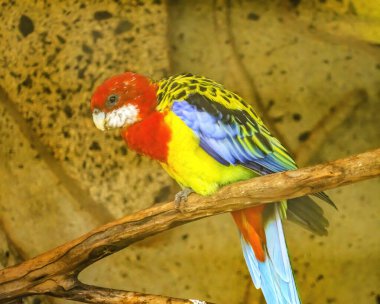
{"points": [[174, 86], [165, 85], [181, 95], [305, 210], [253, 144], [264, 141], [203, 103], [291, 216], [259, 169], [226, 98], [213, 92], [323, 196]]}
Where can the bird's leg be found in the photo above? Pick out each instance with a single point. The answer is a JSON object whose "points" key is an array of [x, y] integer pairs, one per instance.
{"points": [[181, 196]]}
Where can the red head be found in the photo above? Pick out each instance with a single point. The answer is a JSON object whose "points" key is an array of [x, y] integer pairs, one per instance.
{"points": [[122, 100]]}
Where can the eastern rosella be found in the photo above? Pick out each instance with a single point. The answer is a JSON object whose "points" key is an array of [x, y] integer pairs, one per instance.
{"points": [[206, 136]]}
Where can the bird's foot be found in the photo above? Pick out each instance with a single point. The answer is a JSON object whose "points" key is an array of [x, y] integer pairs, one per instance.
{"points": [[182, 196]]}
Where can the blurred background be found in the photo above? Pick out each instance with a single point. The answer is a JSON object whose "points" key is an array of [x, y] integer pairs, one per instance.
{"points": [[311, 68]]}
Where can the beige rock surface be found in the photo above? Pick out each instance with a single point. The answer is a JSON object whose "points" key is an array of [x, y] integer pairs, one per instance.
{"points": [[312, 68]]}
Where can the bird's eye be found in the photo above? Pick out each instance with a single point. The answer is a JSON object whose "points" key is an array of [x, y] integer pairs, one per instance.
{"points": [[112, 100]]}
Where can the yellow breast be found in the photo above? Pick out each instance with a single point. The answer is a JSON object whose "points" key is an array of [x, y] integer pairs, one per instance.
{"points": [[192, 167]]}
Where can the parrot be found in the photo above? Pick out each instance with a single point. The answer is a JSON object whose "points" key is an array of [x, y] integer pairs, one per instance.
{"points": [[206, 136]]}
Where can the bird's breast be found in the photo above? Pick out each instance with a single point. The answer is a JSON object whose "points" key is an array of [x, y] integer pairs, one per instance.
{"points": [[149, 137], [191, 166]]}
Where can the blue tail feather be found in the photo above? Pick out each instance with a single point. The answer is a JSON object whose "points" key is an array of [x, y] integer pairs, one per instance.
{"points": [[274, 276]]}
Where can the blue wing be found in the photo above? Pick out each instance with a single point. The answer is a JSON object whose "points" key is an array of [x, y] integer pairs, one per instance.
{"points": [[233, 137]]}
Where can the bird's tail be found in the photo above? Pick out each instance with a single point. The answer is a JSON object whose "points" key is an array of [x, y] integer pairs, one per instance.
{"points": [[265, 252]]}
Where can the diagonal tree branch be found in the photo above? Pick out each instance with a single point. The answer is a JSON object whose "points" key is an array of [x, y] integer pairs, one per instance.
{"points": [[55, 272]]}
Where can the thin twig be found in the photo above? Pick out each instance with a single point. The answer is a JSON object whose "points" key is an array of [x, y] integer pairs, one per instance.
{"points": [[55, 272]]}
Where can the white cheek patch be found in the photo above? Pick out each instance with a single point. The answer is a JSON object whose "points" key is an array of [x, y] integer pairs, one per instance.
{"points": [[124, 116]]}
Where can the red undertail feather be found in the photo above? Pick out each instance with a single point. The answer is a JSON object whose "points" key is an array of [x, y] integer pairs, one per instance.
{"points": [[250, 224], [149, 137]]}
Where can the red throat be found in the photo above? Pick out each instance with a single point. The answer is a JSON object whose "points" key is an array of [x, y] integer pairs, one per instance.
{"points": [[150, 136]]}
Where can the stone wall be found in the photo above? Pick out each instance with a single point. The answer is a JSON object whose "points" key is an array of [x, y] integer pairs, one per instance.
{"points": [[311, 68]]}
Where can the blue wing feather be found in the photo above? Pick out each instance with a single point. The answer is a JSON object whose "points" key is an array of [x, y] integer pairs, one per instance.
{"points": [[230, 142]]}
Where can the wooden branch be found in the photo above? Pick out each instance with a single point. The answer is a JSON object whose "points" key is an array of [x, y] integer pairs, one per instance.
{"points": [[92, 294], [55, 272]]}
